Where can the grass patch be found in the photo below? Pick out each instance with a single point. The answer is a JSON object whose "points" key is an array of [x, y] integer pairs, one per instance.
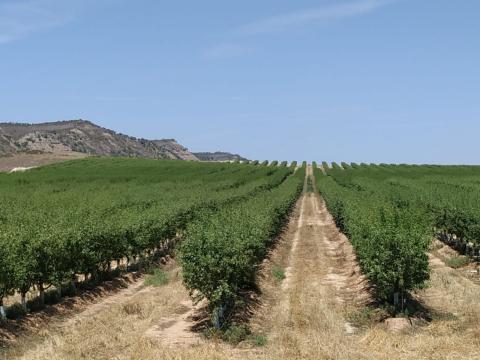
{"points": [[366, 317], [443, 316], [137, 310], [457, 262], [157, 278], [235, 334], [258, 340], [278, 273]]}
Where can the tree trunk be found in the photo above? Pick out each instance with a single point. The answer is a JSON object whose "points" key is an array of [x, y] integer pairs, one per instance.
{"points": [[24, 301], [74, 287], [41, 296], [94, 275], [396, 301], [403, 301], [3, 315], [218, 314]]}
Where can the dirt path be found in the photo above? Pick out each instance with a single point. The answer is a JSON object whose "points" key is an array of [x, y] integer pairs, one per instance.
{"points": [[441, 254], [322, 282], [176, 331], [121, 325], [106, 302], [322, 254], [453, 296]]}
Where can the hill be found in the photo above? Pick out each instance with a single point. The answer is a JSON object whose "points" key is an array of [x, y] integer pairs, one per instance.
{"points": [[218, 156], [80, 136]]}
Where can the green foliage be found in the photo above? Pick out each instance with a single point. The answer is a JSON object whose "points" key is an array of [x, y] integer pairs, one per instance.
{"points": [[235, 334], [77, 217], [258, 340], [221, 250], [391, 212], [366, 317], [390, 241], [393, 254]]}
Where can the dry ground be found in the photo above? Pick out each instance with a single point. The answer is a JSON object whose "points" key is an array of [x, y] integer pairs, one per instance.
{"points": [[305, 316], [8, 163]]}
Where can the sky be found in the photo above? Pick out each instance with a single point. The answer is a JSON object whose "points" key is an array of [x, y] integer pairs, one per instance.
{"points": [[395, 81]]}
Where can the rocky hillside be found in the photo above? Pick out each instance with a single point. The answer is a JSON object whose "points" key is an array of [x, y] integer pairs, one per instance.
{"points": [[84, 137], [218, 156]]}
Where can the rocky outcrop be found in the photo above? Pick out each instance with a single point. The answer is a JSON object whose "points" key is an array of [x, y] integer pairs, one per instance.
{"points": [[84, 137]]}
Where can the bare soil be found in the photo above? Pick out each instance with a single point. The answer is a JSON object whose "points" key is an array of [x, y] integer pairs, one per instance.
{"points": [[8, 163], [17, 332], [442, 253], [178, 330]]}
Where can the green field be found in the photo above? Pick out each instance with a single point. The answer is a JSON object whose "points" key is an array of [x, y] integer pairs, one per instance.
{"points": [[79, 217]]}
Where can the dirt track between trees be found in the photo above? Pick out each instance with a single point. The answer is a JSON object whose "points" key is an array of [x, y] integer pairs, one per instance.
{"points": [[322, 263]]}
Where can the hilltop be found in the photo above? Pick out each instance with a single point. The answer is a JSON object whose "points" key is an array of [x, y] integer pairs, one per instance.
{"points": [[80, 136]]}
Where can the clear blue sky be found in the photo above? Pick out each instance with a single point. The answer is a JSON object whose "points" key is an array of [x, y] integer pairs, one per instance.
{"points": [[344, 80]]}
